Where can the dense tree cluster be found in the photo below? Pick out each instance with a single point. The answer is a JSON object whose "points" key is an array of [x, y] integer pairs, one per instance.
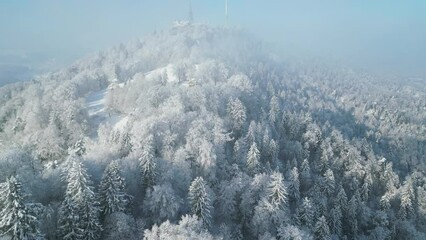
{"points": [[206, 135]]}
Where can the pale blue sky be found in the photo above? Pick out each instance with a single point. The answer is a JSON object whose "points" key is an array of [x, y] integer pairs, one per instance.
{"points": [[389, 35]]}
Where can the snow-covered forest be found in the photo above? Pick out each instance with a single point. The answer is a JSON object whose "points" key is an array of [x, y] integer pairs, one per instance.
{"points": [[201, 132]]}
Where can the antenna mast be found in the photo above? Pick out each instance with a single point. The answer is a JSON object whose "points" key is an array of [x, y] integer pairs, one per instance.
{"points": [[191, 15], [226, 12]]}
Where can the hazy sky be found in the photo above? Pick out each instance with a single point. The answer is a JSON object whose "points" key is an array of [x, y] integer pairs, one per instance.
{"points": [[373, 34]]}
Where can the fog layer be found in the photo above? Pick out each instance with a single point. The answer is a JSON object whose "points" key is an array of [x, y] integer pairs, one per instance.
{"points": [[379, 36]]}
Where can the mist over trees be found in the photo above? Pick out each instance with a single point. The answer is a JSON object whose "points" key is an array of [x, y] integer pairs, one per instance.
{"points": [[202, 132]]}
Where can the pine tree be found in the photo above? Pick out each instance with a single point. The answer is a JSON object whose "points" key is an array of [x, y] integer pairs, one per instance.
{"points": [[80, 148], [307, 211], [322, 232], [237, 113], [253, 159], [200, 200], [294, 184], [274, 109], [274, 148], [341, 199], [251, 134], [329, 182], [112, 194], [353, 215], [306, 174], [79, 212], [17, 219], [277, 192], [407, 197], [126, 145], [336, 220], [148, 162]]}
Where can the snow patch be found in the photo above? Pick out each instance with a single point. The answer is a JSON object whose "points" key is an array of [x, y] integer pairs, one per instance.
{"points": [[168, 70], [95, 102]]}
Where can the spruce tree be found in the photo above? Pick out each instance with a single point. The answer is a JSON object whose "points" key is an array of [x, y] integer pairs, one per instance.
{"points": [[200, 200], [80, 148], [336, 220], [277, 192], [407, 198], [329, 182], [294, 184], [253, 158], [17, 219], [148, 163], [112, 196], [307, 211], [322, 232], [79, 212]]}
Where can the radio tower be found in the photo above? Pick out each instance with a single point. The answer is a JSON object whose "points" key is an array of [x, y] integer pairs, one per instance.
{"points": [[226, 12], [191, 15]]}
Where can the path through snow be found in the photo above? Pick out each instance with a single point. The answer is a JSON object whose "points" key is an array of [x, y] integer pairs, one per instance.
{"points": [[98, 112]]}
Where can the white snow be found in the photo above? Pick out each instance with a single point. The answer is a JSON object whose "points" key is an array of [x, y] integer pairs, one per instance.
{"points": [[169, 69], [95, 102], [98, 112], [121, 123]]}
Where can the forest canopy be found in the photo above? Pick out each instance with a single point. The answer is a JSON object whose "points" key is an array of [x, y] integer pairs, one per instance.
{"points": [[201, 132]]}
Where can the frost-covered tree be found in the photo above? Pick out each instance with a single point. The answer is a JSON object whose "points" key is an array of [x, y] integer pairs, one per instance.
{"points": [[294, 184], [306, 177], [112, 195], [322, 232], [353, 209], [126, 145], [17, 219], [329, 182], [162, 203], [237, 113], [274, 110], [200, 200], [307, 212], [79, 147], [119, 225], [79, 212], [277, 191], [341, 199], [189, 227], [148, 162], [291, 232], [336, 220], [253, 159], [407, 198]]}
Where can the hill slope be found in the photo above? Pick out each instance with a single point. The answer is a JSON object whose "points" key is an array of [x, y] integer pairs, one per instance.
{"points": [[276, 149]]}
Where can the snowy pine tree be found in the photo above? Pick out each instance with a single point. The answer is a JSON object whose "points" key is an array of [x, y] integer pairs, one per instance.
{"points": [[148, 162], [407, 198], [294, 184], [112, 196], [322, 232], [79, 147], [17, 219], [253, 159], [307, 212], [329, 182], [200, 200], [237, 113], [277, 191], [336, 220], [79, 212]]}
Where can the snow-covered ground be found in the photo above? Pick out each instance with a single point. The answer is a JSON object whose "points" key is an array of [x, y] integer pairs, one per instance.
{"points": [[169, 70], [99, 113], [96, 101]]}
